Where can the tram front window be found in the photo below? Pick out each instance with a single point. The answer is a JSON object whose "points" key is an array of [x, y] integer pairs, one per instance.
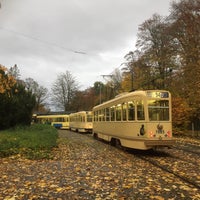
{"points": [[158, 110], [89, 118]]}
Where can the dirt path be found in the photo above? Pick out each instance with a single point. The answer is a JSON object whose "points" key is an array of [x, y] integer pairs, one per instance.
{"points": [[84, 168]]}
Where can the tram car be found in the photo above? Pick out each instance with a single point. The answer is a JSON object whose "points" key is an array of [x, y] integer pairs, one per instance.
{"points": [[60, 121], [138, 120], [81, 121]]}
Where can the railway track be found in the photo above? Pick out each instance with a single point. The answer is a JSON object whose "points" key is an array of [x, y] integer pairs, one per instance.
{"points": [[181, 160], [170, 164], [191, 148], [169, 161], [172, 161], [170, 173]]}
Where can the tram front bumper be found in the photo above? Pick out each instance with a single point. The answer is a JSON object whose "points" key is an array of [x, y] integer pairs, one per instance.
{"points": [[160, 142]]}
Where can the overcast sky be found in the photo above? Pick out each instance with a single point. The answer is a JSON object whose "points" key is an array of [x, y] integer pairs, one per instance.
{"points": [[89, 38]]}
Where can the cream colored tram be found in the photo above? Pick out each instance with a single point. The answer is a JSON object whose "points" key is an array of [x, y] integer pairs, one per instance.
{"points": [[81, 121], [60, 121], [139, 120]]}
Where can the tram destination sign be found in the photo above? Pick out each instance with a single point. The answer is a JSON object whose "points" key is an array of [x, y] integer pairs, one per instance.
{"points": [[157, 94]]}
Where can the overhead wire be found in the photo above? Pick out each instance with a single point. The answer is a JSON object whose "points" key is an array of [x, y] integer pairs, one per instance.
{"points": [[42, 41]]}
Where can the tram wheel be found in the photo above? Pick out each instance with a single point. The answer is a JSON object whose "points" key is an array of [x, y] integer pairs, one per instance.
{"points": [[116, 142], [95, 136], [113, 142]]}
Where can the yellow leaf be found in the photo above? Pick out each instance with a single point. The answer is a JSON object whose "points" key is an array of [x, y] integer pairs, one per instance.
{"points": [[59, 189]]}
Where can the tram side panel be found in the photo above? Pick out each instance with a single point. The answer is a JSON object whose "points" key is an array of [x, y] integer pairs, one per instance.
{"points": [[138, 135], [128, 133]]}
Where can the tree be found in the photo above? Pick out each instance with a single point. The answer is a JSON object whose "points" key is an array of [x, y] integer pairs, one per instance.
{"points": [[154, 41], [112, 87], [14, 71], [16, 102], [7, 81], [40, 92], [21, 106], [116, 80], [185, 29], [83, 100], [135, 72], [64, 90], [180, 114]]}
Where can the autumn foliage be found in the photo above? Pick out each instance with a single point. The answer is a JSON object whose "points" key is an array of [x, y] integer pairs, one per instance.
{"points": [[16, 103], [7, 81], [180, 115]]}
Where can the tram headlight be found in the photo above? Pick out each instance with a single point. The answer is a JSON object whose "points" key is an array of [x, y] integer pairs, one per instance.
{"points": [[169, 133], [151, 134]]}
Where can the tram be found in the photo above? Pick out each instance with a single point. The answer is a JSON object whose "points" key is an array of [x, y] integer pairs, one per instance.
{"points": [[139, 120], [60, 121], [81, 121]]}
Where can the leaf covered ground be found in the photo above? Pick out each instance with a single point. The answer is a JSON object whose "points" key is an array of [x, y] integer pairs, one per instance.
{"points": [[84, 168]]}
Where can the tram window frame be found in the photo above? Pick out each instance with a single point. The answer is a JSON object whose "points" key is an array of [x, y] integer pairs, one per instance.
{"points": [[89, 118], [99, 115], [140, 110], [112, 113], [107, 114], [118, 110], [124, 111], [83, 118], [103, 115], [131, 111], [96, 116]]}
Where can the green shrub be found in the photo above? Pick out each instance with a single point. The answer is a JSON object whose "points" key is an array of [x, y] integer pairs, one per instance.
{"points": [[33, 142]]}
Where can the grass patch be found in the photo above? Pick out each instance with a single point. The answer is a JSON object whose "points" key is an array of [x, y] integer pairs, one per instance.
{"points": [[34, 142]]}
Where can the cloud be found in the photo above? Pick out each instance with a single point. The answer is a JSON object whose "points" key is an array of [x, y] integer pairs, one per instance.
{"points": [[88, 38]]}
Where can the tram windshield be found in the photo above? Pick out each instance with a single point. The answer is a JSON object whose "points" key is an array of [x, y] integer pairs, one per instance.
{"points": [[89, 118], [158, 110]]}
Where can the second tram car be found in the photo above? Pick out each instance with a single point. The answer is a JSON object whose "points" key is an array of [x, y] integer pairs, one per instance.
{"points": [[81, 121], [139, 119]]}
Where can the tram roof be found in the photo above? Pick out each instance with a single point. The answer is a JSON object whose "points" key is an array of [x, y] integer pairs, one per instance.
{"points": [[81, 112], [129, 94]]}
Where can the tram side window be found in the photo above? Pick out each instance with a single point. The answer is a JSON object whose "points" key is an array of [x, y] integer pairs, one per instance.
{"points": [[107, 113], [99, 115], [96, 116], [140, 110], [131, 111], [124, 111], [118, 112], [112, 113], [59, 119], [65, 119], [102, 114]]}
